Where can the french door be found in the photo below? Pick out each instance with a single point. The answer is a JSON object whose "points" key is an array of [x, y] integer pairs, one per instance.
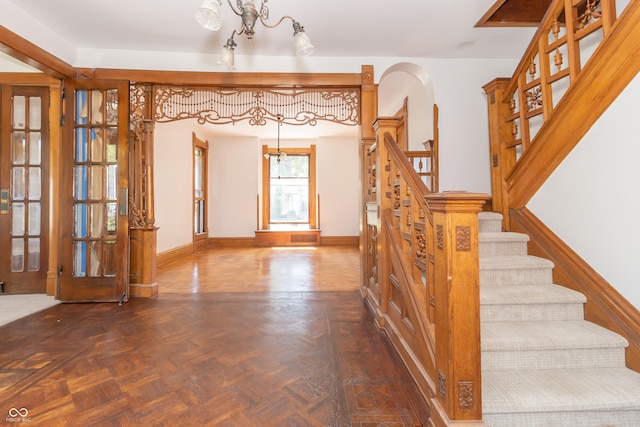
{"points": [[94, 251], [24, 189]]}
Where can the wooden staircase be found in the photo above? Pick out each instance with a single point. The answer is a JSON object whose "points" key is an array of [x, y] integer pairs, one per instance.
{"points": [[471, 306]]}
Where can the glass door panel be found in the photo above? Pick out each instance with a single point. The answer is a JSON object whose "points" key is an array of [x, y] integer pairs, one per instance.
{"points": [[24, 177], [95, 250]]}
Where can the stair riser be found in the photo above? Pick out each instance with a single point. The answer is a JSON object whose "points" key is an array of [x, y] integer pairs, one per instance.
{"points": [[554, 359], [489, 226], [502, 248], [515, 276], [601, 418], [531, 312]]}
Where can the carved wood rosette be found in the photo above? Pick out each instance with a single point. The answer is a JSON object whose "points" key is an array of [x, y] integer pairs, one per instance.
{"points": [[465, 394]]}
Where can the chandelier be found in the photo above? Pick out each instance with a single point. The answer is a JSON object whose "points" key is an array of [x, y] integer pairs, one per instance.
{"points": [[279, 155], [209, 16]]}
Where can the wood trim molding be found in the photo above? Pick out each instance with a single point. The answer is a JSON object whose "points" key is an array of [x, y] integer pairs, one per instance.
{"points": [[29, 79], [223, 79], [232, 242], [34, 56], [605, 306], [174, 254], [339, 241]]}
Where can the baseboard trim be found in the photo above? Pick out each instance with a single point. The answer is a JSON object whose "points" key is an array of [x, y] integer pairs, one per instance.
{"points": [[287, 237], [174, 254], [139, 290], [339, 240], [245, 242], [232, 242], [605, 306]]}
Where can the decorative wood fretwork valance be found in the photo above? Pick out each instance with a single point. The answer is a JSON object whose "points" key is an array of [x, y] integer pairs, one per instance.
{"points": [[217, 106]]}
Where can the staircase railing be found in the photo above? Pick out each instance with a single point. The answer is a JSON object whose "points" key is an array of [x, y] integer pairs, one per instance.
{"points": [[425, 164], [580, 59], [422, 277], [565, 40]]}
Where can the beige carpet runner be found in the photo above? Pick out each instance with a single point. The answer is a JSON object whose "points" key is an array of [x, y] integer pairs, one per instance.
{"points": [[542, 363]]}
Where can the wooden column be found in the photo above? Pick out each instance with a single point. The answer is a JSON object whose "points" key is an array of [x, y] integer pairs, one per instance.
{"points": [[457, 302], [55, 175], [142, 281], [368, 112], [368, 102], [143, 232], [502, 158]]}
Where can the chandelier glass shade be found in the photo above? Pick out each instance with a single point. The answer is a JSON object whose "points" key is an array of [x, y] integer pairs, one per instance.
{"points": [[209, 16]]}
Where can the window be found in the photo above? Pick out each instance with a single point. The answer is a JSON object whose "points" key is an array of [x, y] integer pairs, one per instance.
{"points": [[289, 189], [200, 230]]}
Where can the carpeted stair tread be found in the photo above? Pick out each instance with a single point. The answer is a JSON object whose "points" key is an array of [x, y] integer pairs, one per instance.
{"points": [[544, 302], [533, 294], [560, 390], [500, 336], [515, 270], [502, 237], [514, 262]]}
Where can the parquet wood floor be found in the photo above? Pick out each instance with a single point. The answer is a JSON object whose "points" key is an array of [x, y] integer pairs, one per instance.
{"points": [[237, 337]]}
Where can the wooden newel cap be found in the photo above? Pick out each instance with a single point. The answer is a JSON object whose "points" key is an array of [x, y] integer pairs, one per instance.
{"points": [[457, 201]]}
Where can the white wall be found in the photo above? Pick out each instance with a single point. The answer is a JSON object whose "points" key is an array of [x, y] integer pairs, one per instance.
{"points": [[398, 83], [464, 139], [592, 200], [234, 183], [464, 136], [173, 179], [338, 162]]}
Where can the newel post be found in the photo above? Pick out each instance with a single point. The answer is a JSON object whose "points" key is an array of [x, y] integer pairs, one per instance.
{"points": [[457, 305], [502, 158]]}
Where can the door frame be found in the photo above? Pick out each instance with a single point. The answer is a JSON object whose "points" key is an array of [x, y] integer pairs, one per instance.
{"points": [[55, 139]]}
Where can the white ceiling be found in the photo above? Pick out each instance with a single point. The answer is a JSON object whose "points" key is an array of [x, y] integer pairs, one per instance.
{"points": [[337, 28]]}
